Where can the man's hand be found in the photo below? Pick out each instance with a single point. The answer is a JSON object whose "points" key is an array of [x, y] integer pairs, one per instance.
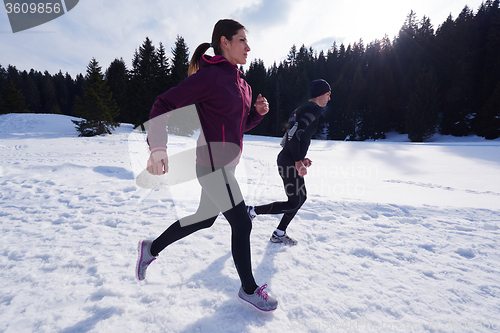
{"points": [[158, 163], [261, 105], [301, 168], [307, 162]]}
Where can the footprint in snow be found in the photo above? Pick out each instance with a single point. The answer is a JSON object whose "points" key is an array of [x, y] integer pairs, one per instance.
{"points": [[466, 253]]}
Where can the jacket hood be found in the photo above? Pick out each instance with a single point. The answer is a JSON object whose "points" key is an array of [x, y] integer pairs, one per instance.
{"points": [[207, 60]]}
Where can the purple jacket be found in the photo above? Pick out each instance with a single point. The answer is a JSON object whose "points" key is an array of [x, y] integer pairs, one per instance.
{"points": [[222, 100]]}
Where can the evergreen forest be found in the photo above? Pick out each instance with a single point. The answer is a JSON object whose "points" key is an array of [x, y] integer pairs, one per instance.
{"points": [[423, 81]]}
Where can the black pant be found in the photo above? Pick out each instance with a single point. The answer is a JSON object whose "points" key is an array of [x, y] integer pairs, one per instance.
{"points": [[220, 193], [295, 189]]}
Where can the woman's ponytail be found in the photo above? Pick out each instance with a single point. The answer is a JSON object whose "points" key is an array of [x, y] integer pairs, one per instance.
{"points": [[194, 64]]}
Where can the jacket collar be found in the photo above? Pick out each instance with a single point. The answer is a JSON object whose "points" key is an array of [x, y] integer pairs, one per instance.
{"points": [[207, 60]]}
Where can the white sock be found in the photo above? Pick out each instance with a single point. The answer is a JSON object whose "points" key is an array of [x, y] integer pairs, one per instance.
{"points": [[279, 232]]}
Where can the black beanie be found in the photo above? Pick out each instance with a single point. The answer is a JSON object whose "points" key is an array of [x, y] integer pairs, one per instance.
{"points": [[318, 88]]}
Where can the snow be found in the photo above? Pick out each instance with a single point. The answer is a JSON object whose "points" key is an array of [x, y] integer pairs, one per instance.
{"points": [[395, 236]]}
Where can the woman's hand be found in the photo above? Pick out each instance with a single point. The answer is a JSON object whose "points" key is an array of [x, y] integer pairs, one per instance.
{"points": [[158, 163], [261, 105]]}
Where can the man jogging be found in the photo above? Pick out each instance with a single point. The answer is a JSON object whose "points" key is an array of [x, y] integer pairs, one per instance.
{"points": [[292, 161]]}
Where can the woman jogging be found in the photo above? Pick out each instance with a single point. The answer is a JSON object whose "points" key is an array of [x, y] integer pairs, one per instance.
{"points": [[292, 161], [222, 101]]}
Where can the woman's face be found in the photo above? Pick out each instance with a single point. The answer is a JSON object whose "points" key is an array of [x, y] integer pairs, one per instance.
{"points": [[236, 50]]}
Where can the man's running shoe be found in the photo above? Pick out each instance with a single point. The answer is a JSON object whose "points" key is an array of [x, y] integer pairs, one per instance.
{"points": [[283, 239], [144, 258], [259, 299], [251, 212]]}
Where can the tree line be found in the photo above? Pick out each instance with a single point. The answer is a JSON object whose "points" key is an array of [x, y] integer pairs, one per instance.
{"points": [[423, 81], [102, 99]]}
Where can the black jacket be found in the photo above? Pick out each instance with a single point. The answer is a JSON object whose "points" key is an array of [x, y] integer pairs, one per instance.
{"points": [[299, 136]]}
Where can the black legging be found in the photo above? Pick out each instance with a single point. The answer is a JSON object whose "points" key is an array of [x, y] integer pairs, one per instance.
{"points": [[220, 193], [295, 189]]}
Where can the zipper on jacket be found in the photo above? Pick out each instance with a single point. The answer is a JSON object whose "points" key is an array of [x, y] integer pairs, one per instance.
{"points": [[223, 136], [242, 100]]}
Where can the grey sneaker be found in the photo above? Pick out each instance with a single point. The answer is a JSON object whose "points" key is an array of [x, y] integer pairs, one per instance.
{"points": [[144, 258], [259, 299], [285, 239], [251, 212]]}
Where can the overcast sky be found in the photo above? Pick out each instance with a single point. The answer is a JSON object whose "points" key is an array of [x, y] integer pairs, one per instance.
{"points": [[115, 29]]}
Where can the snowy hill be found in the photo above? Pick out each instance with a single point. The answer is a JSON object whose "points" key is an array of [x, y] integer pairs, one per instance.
{"points": [[395, 236]]}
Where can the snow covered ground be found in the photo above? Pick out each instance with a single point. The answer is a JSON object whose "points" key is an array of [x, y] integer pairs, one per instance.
{"points": [[394, 237]]}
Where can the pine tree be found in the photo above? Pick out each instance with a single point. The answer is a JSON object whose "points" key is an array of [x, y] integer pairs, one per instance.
{"points": [[180, 61], [63, 103], [3, 77], [117, 80], [488, 121], [184, 121], [71, 88], [356, 110], [14, 76], [142, 89], [13, 100], [320, 69], [291, 59], [79, 84], [30, 91], [256, 77], [164, 70], [448, 77], [45, 86], [407, 55], [282, 113], [487, 118], [374, 121], [97, 106], [423, 107], [272, 94]]}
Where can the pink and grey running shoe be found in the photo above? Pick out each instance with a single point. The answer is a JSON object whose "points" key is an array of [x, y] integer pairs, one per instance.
{"points": [[259, 299], [144, 258]]}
